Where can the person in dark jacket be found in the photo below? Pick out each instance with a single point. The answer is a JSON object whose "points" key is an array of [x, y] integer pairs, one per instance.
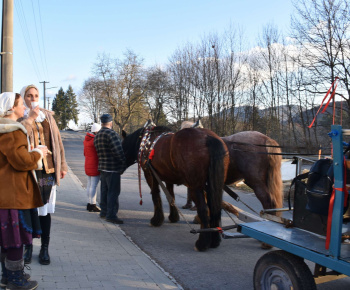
{"points": [[91, 168], [111, 164]]}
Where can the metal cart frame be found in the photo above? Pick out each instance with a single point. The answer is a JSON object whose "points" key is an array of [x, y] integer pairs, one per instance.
{"points": [[298, 244]]}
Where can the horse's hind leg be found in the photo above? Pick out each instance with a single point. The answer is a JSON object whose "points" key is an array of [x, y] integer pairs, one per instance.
{"points": [[215, 236], [174, 214], [204, 240]]}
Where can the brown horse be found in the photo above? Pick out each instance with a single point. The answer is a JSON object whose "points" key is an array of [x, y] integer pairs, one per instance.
{"points": [[251, 160], [196, 158], [254, 158]]}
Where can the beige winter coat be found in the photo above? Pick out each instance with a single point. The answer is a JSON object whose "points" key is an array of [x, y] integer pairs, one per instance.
{"points": [[59, 158]]}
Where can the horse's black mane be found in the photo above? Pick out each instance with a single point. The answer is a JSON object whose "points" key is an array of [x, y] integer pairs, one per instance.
{"points": [[160, 129], [135, 136]]}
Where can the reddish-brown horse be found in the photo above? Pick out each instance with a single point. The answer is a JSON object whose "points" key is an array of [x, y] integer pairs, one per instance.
{"points": [[255, 158], [196, 158]]}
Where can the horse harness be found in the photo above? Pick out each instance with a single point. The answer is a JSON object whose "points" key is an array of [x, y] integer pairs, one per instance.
{"points": [[146, 151], [147, 145]]}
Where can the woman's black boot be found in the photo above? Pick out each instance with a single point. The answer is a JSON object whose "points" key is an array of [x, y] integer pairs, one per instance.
{"points": [[44, 257], [45, 223], [27, 256]]}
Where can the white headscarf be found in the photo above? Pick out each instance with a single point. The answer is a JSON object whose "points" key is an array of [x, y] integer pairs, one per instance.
{"points": [[24, 90], [7, 101]]}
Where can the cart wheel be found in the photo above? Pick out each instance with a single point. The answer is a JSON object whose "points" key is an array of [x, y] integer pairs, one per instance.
{"points": [[280, 270]]}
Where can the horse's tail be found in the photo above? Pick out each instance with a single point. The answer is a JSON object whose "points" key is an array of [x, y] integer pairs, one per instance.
{"points": [[274, 178], [216, 175]]}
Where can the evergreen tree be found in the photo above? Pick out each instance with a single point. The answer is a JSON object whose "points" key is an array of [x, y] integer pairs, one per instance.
{"points": [[58, 106], [65, 107], [71, 99]]}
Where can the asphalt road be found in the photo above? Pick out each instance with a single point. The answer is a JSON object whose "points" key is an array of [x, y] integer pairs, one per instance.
{"points": [[229, 266]]}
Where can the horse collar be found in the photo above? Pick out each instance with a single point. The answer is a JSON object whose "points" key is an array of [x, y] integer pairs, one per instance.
{"points": [[147, 144]]}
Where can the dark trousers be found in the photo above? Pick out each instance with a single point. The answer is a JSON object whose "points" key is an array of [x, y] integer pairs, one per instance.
{"points": [[110, 190]]}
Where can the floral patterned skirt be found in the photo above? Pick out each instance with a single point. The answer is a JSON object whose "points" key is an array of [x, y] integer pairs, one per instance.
{"points": [[45, 182], [18, 227]]}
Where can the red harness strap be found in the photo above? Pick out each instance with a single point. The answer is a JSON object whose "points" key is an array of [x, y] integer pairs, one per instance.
{"points": [[331, 205], [325, 97], [150, 157]]}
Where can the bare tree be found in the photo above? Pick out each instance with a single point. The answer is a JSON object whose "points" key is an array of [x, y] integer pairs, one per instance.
{"points": [[234, 77], [92, 99], [157, 94], [270, 60], [122, 84], [321, 29], [179, 68]]}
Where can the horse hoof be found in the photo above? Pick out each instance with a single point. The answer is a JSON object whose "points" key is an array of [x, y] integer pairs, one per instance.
{"points": [[196, 220], [174, 219], [156, 224], [187, 205], [200, 248], [215, 240], [265, 246]]}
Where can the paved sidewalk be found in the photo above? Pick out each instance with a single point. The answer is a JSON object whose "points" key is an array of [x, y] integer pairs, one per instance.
{"points": [[89, 253]]}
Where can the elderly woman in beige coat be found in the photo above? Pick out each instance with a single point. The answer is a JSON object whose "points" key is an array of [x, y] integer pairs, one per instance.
{"points": [[44, 131], [19, 192]]}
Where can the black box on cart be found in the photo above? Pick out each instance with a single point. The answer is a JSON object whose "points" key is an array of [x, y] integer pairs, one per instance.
{"points": [[303, 218]]}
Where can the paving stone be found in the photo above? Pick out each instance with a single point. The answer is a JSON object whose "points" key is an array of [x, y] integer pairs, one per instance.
{"points": [[88, 253]]}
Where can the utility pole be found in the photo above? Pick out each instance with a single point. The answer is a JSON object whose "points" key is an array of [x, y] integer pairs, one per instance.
{"points": [[44, 92], [48, 98], [7, 46]]}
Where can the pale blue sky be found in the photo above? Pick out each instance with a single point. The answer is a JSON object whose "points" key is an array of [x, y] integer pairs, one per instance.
{"points": [[76, 31]]}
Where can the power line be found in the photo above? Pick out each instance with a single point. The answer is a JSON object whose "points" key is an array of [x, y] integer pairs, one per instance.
{"points": [[37, 37], [26, 36], [43, 42], [39, 53]]}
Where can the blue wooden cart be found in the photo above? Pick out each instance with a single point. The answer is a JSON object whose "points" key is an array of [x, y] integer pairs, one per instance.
{"points": [[286, 268]]}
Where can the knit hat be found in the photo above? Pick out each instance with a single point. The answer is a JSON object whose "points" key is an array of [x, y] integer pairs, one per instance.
{"points": [[106, 118], [7, 100], [95, 128]]}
